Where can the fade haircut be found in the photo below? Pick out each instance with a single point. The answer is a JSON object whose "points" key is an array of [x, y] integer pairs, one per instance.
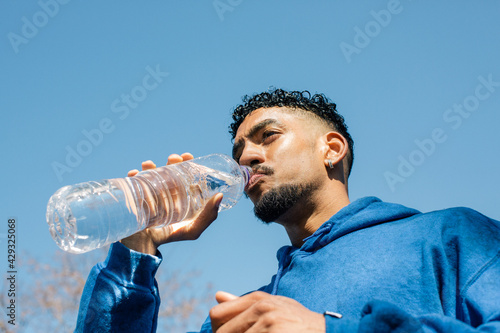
{"points": [[317, 104]]}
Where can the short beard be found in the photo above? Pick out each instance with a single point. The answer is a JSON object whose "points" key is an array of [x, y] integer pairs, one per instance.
{"points": [[279, 200]]}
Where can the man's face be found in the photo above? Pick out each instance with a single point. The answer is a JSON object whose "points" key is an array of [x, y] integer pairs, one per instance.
{"points": [[281, 146]]}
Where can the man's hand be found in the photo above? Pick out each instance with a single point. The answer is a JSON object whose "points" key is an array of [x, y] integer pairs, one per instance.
{"points": [[262, 312], [148, 240]]}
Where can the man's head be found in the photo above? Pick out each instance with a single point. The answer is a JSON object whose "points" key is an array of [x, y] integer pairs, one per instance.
{"points": [[287, 137], [317, 104]]}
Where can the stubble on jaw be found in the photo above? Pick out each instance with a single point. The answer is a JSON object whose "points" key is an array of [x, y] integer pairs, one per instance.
{"points": [[277, 201]]}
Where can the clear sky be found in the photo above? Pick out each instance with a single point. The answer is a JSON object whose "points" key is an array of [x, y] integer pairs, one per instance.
{"points": [[418, 83]]}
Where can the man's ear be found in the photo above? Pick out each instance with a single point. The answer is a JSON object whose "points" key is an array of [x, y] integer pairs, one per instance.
{"points": [[335, 148]]}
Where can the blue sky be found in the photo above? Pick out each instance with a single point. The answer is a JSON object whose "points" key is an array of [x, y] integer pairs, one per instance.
{"points": [[418, 83]]}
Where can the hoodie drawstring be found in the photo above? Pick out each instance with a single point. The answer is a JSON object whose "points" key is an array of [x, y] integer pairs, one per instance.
{"points": [[281, 266]]}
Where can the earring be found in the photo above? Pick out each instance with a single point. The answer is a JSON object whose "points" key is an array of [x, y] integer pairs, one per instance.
{"points": [[330, 164]]}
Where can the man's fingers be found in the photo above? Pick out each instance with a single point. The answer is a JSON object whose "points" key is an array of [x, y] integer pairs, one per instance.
{"points": [[229, 309], [175, 158], [172, 159], [222, 296], [147, 165], [191, 230], [224, 312], [187, 156], [207, 215], [132, 173]]}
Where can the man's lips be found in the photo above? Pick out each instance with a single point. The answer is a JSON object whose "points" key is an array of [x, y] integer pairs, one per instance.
{"points": [[254, 179]]}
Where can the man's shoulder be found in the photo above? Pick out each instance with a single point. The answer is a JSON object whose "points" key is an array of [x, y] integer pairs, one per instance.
{"points": [[462, 225], [460, 216]]}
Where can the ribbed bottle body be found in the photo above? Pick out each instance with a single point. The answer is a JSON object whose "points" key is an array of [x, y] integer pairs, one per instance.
{"points": [[90, 215]]}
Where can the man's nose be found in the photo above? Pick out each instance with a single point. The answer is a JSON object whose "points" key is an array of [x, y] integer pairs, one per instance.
{"points": [[251, 155]]}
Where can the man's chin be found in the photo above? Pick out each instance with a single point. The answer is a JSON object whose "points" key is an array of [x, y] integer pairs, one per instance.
{"points": [[255, 195], [274, 202]]}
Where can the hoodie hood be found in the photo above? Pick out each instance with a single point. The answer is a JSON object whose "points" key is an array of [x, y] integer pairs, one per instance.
{"points": [[360, 214]]}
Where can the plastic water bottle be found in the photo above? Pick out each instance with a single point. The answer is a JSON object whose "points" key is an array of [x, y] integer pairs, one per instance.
{"points": [[90, 215]]}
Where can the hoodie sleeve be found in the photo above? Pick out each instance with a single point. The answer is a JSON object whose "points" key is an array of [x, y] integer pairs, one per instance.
{"points": [[121, 294], [383, 317], [477, 299], [479, 311]]}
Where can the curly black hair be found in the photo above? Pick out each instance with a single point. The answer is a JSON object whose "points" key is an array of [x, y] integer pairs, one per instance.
{"points": [[318, 104]]}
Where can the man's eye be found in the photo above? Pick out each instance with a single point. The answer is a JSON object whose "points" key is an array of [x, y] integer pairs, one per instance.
{"points": [[268, 134]]}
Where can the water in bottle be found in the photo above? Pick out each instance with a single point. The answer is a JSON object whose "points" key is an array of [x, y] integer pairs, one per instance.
{"points": [[90, 215]]}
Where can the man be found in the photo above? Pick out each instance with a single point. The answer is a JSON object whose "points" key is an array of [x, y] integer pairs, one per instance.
{"points": [[365, 266]]}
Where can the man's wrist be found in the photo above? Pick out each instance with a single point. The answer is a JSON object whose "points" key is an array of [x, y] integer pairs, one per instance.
{"points": [[132, 267], [140, 243]]}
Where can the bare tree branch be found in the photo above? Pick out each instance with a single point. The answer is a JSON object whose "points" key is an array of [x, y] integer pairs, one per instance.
{"points": [[49, 295]]}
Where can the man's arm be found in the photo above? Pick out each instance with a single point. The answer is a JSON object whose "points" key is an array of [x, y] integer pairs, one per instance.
{"points": [[264, 312], [121, 294], [148, 240], [383, 317]]}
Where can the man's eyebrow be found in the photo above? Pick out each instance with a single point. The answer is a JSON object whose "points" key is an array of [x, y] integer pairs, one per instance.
{"points": [[254, 130], [266, 122]]}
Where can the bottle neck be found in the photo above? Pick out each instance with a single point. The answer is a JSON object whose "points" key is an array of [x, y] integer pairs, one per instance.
{"points": [[246, 171]]}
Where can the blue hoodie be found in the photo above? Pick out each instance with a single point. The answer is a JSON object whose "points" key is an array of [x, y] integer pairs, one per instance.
{"points": [[382, 266]]}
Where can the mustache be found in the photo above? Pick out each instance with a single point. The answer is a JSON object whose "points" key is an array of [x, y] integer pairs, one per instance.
{"points": [[262, 169]]}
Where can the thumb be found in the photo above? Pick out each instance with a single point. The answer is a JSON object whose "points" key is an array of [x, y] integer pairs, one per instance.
{"points": [[222, 296]]}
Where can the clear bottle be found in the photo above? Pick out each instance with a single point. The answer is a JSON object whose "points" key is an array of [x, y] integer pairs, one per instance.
{"points": [[90, 215]]}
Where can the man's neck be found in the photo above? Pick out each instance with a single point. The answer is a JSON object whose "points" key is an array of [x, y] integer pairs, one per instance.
{"points": [[305, 218]]}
